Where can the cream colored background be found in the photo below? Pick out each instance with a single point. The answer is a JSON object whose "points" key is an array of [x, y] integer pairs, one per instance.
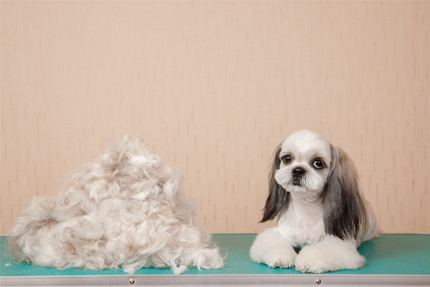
{"points": [[213, 87]]}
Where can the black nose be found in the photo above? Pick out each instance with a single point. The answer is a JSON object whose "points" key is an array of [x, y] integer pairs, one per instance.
{"points": [[299, 172]]}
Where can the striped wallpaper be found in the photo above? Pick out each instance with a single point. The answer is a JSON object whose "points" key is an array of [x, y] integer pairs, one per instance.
{"points": [[212, 87]]}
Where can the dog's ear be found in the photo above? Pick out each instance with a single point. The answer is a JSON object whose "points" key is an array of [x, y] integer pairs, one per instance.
{"points": [[344, 208], [278, 198]]}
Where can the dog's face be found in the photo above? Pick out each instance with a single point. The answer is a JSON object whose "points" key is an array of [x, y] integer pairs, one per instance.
{"points": [[306, 165], [305, 159]]}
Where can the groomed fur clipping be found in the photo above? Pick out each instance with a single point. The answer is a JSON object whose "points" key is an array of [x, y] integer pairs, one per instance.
{"points": [[123, 210]]}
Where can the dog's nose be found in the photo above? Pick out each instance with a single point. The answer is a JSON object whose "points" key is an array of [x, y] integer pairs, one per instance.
{"points": [[299, 172]]}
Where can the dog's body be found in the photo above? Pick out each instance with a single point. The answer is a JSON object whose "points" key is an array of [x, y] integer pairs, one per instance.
{"points": [[124, 209], [314, 188]]}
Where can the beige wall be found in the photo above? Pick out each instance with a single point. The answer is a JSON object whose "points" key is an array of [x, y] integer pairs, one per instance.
{"points": [[213, 87]]}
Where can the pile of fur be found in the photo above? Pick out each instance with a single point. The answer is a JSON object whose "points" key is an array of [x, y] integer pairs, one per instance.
{"points": [[122, 210]]}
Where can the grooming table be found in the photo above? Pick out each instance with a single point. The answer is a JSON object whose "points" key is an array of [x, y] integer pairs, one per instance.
{"points": [[391, 260]]}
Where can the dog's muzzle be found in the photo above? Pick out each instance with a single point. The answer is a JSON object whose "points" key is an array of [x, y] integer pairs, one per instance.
{"points": [[298, 174]]}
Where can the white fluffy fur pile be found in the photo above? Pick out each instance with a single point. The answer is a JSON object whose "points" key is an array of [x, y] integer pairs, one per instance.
{"points": [[124, 209]]}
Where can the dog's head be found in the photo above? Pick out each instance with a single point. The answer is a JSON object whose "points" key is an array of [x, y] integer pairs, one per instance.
{"points": [[304, 163], [307, 165]]}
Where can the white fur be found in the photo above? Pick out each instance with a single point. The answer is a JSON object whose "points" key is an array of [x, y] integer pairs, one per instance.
{"points": [[330, 254], [302, 225], [124, 209], [273, 249]]}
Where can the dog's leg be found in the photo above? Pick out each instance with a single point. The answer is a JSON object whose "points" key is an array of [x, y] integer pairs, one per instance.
{"points": [[330, 254], [271, 248]]}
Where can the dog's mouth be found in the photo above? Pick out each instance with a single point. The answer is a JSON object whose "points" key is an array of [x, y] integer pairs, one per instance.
{"points": [[297, 182]]}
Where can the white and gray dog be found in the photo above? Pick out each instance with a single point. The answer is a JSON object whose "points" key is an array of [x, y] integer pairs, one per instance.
{"points": [[314, 188], [123, 210]]}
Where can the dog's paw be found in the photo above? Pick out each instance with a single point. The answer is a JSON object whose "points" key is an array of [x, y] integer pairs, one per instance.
{"points": [[272, 249], [311, 264], [275, 256], [281, 261], [319, 258]]}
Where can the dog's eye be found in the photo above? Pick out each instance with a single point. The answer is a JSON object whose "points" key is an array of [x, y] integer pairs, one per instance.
{"points": [[318, 164], [287, 159]]}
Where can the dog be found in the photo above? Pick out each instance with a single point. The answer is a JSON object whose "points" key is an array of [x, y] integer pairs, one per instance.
{"points": [[123, 210], [314, 188]]}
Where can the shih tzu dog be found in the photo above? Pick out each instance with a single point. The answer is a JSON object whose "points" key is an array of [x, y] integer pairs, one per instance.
{"points": [[314, 188], [123, 210]]}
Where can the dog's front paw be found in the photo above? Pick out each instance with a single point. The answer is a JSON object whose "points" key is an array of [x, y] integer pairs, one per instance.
{"points": [[306, 262], [277, 260], [272, 249], [328, 256], [274, 254]]}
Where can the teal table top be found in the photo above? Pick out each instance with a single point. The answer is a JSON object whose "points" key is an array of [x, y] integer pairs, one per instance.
{"points": [[399, 254]]}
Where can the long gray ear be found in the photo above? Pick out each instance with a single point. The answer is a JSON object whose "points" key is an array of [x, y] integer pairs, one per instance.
{"points": [[278, 198], [344, 209]]}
